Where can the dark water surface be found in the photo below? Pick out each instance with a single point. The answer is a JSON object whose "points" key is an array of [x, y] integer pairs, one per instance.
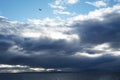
{"points": [[60, 76]]}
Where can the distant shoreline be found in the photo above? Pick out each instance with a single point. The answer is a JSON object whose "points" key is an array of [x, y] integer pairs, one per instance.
{"points": [[63, 72]]}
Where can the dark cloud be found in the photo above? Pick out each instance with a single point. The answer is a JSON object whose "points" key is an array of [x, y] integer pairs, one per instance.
{"points": [[47, 52], [66, 62], [50, 46], [94, 31]]}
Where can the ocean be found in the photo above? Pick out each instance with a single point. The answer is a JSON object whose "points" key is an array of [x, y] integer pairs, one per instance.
{"points": [[60, 76]]}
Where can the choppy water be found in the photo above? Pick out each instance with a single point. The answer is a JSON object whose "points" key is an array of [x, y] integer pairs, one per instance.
{"points": [[61, 76]]}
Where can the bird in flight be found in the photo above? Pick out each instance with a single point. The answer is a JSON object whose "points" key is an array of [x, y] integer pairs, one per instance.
{"points": [[40, 9]]}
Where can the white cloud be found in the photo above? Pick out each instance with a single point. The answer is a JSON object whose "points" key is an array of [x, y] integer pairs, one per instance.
{"points": [[11, 66], [72, 1], [98, 4], [84, 54], [51, 33], [31, 34], [42, 23], [2, 17], [59, 6], [102, 47], [38, 29], [96, 14], [61, 12], [5, 68], [54, 30], [105, 49]]}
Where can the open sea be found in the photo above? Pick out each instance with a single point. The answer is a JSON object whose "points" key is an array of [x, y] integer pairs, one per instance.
{"points": [[60, 76]]}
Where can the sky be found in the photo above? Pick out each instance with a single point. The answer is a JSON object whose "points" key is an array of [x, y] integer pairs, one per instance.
{"points": [[66, 35]]}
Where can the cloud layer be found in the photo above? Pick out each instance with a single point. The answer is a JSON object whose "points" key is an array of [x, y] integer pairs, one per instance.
{"points": [[98, 4], [83, 43], [60, 6]]}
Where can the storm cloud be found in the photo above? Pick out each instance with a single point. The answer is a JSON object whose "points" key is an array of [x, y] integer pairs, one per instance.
{"points": [[83, 43]]}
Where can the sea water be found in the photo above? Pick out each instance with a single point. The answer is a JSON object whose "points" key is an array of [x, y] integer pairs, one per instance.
{"points": [[60, 76]]}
